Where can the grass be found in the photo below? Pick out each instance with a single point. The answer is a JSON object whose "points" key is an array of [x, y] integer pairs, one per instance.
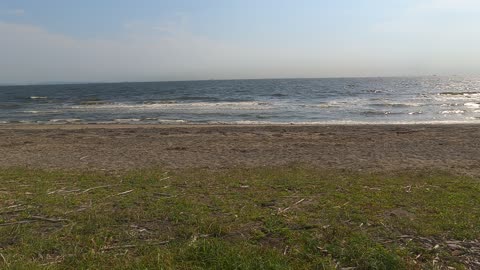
{"points": [[265, 218]]}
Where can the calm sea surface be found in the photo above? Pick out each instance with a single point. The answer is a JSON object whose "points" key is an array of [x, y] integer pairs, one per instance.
{"points": [[341, 101]]}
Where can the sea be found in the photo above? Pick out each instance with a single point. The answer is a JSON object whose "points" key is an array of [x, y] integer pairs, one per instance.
{"points": [[408, 100]]}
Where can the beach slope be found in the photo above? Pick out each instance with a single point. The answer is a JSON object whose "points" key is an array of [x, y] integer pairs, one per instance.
{"points": [[355, 147]]}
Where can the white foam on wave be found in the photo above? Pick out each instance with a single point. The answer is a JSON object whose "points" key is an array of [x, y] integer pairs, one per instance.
{"points": [[337, 103], [453, 112], [65, 120], [244, 105], [472, 105], [330, 104], [457, 96], [143, 121], [168, 121], [394, 104], [38, 97], [322, 106], [450, 105], [41, 112], [123, 120]]}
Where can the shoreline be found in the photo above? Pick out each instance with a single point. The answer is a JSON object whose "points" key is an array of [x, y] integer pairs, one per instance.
{"points": [[218, 125]]}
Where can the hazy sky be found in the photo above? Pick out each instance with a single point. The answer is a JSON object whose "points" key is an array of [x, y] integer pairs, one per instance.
{"points": [[145, 40]]}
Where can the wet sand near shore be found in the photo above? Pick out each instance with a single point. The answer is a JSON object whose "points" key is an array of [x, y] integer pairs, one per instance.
{"points": [[453, 148]]}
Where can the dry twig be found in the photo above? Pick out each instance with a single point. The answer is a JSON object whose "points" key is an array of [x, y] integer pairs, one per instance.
{"points": [[92, 188], [134, 246], [285, 209], [16, 223], [4, 259], [48, 219]]}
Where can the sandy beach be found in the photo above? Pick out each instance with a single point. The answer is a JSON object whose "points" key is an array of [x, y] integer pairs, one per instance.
{"points": [[357, 148]]}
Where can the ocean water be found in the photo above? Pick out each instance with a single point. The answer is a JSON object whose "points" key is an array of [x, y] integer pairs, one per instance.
{"points": [[285, 101]]}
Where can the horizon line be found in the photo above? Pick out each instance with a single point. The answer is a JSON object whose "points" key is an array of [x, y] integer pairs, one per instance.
{"points": [[242, 79]]}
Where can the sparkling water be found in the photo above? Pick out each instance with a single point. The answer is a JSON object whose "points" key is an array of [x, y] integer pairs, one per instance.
{"points": [[302, 101]]}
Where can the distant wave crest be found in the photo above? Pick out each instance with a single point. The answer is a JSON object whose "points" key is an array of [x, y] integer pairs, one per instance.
{"points": [[245, 105]]}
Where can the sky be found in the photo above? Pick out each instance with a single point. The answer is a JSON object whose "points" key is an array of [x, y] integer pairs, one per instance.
{"points": [[155, 40]]}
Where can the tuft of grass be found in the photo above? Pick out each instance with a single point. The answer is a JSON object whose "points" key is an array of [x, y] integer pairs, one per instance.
{"points": [[361, 252], [258, 218]]}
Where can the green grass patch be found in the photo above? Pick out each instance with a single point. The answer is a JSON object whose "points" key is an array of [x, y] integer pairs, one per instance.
{"points": [[265, 218]]}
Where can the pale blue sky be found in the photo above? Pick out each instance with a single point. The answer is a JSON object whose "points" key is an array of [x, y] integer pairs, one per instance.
{"points": [[125, 40]]}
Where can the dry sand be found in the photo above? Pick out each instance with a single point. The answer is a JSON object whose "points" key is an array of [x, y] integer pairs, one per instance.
{"points": [[122, 147]]}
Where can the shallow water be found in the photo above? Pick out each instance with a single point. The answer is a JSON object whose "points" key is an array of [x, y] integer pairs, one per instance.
{"points": [[348, 100]]}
